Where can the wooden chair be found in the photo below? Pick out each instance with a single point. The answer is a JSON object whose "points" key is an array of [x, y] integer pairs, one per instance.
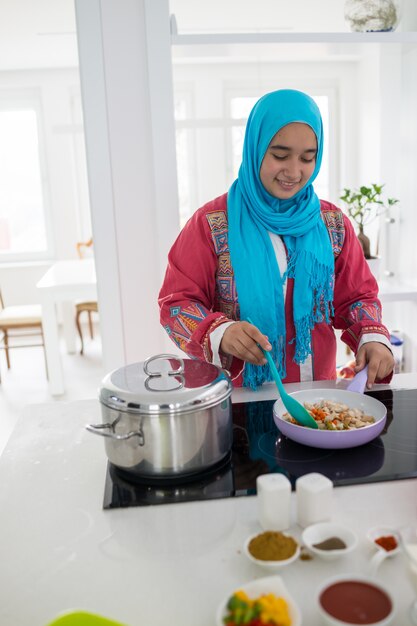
{"points": [[24, 320], [83, 247]]}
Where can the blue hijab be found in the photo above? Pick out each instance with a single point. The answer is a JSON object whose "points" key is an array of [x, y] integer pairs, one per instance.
{"points": [[253, 213]]}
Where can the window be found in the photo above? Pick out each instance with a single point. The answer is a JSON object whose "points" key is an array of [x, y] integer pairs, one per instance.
{"points": [[184, 150], [23, 227], [209, 149], [81, 200]]}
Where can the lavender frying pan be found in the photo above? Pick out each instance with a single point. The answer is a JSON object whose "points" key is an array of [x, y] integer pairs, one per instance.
{"points": [[330, 438]]}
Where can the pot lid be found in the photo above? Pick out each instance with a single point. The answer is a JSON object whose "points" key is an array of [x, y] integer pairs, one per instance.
{"points": [[165, 383]]}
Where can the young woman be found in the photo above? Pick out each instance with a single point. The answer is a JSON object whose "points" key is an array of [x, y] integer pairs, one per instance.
{"points": [[271, 251]]}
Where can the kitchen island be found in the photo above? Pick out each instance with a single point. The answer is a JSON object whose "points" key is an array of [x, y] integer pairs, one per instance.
{"points": [[164, 564]]}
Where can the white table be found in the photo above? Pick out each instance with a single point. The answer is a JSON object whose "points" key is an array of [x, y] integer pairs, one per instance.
{"points": [[163, 564], [64, 282]]}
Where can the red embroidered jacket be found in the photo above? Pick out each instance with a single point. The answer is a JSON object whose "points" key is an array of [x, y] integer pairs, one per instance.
{"points": [[199, 291]]}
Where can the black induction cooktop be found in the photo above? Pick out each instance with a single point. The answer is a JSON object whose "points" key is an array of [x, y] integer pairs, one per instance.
{"points": [[260, 448]]}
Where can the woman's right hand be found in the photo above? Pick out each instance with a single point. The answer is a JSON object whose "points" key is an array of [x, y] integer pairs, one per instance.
{"points": [[241, 340]]}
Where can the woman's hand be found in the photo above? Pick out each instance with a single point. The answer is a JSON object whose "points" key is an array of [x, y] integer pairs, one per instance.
{"points": [[241, 340], [379, 358]]}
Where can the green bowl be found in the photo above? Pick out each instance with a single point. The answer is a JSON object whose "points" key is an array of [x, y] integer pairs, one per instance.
{"points": [[82, 618]]}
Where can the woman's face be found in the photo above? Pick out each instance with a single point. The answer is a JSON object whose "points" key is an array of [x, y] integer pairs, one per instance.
{"points": [[289, 160]]}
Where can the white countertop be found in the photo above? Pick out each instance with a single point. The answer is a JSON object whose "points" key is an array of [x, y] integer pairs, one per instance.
{"points": [[164, 564]]}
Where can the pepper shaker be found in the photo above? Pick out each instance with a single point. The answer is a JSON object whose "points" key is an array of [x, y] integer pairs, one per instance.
{"points": [[314, 494], [273, 500]]}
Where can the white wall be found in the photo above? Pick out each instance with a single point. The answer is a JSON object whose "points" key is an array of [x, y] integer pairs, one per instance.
{"points": [[409, 15], [66, 201], [199, 16], [128, 112], [404, 248], [406, 125]]}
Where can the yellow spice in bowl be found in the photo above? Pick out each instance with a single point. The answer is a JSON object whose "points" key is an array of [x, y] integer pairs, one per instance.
{"points": [[272, 546]]}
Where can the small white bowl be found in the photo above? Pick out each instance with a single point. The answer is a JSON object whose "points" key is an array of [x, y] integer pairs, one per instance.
{"points": [[316, 533], [368, 595], [381, 554], [383, 531], [271, 565], [261, 586]]}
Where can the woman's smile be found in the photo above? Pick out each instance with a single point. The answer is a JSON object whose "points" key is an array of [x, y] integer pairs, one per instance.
{"points": [[288, 185]]}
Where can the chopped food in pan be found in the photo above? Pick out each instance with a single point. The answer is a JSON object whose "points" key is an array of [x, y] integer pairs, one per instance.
{"points": [[331, 415]]}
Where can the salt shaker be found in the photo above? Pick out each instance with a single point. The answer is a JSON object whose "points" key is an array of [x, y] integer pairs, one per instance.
{"points": [[274, 501], [314, 494]]}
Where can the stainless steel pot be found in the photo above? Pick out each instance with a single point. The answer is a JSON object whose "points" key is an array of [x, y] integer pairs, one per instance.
{"points": [[166, 417]]}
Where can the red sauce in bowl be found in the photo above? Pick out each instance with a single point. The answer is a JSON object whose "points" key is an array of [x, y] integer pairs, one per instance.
{"points": [[356, 602]]}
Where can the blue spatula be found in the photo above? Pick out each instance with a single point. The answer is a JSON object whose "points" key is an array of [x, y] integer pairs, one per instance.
{"points": [[294, 408]]}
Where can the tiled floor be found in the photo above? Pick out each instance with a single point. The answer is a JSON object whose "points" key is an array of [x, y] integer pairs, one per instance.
{"points": [[26, 383]]}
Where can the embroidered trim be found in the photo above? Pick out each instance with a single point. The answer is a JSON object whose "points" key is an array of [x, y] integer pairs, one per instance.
{"points": [[380, 330], [226, 294], [360, 311], [374, 329], [185, 323], [336, 229], [174, 311], [217, 222]]}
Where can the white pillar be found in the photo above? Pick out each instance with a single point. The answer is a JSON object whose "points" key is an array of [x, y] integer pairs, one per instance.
{"points": [[125, 67]]}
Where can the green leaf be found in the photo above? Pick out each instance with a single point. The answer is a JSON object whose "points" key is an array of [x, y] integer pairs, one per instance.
{"points": [[366, 203]]}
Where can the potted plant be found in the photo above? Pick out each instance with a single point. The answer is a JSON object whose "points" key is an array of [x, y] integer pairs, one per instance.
{"points": [[364, 205]]}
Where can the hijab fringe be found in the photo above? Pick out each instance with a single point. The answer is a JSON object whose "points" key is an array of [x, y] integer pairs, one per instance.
{"points": [[255, 375], [321, 282]]}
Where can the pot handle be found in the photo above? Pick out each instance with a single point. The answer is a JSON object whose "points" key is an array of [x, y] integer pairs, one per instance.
{"points": [[97, 429], [180, 370]]}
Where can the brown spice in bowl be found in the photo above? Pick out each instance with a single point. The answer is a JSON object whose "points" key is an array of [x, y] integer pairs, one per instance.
{"points": [[272, 546], [333, 543]]}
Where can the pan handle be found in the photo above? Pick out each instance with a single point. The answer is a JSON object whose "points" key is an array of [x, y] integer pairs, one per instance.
{"points": [[97, 429]]}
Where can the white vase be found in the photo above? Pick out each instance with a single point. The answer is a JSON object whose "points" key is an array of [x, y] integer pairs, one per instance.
{"points": [[372, 15]]}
